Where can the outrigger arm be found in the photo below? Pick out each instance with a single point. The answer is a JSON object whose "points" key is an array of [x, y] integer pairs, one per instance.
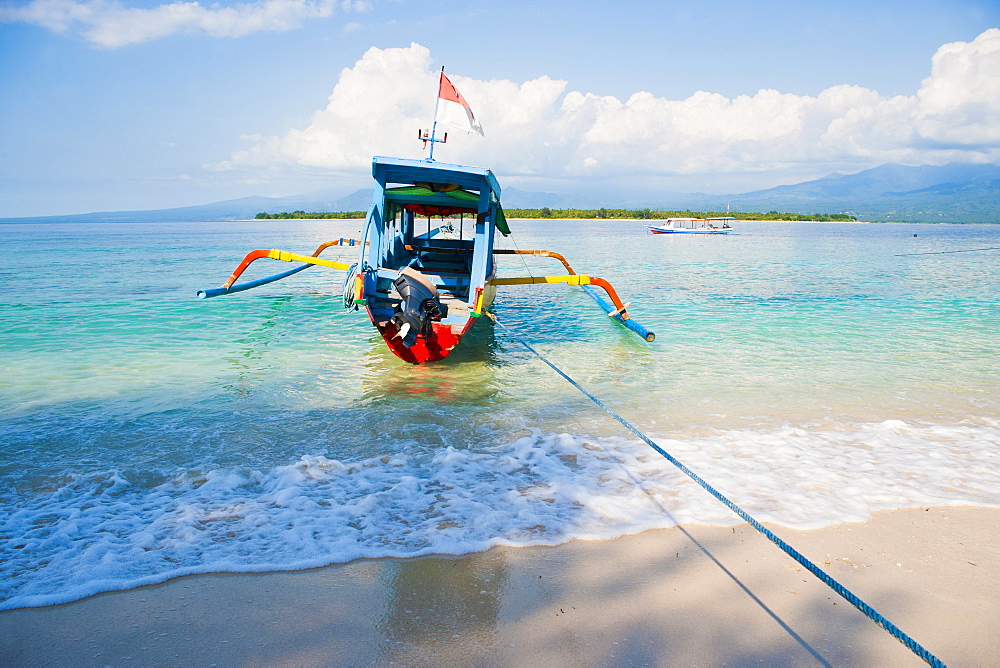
{"points": [[309, 260], [615, 308]]}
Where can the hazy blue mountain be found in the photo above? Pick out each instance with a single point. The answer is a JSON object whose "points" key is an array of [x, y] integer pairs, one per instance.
{"points": [[244, 208], [949, 193]]}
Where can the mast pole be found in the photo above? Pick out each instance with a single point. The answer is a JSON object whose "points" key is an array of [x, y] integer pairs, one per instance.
{"points": [[437, 101]]}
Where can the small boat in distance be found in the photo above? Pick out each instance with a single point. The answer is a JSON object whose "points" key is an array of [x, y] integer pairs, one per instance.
{"points": [[694, 226]]}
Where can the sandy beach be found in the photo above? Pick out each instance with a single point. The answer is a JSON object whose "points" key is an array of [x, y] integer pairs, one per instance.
{"points": [[692, 595]]}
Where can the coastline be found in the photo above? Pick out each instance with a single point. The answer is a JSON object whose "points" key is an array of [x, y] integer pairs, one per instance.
{"points": [[692, 594]]}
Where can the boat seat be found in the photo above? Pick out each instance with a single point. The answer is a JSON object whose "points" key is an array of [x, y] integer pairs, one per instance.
{"points": [[441, 262], [453, 283], [444, 284]]}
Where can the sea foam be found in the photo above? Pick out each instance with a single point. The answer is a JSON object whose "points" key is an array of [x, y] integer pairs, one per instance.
{"points": [[100, 531]]}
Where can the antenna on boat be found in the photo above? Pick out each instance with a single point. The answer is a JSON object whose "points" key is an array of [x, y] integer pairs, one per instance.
{"points": [[431, 137], [425, 136]]}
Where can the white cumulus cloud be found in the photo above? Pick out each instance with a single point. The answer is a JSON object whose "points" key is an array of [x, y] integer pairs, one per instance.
{"points": [[111, 24], [960, 101], [539, 128]]}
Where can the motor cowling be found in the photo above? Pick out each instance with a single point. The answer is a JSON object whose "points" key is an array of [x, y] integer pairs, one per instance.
{"points": [[419, 306]]}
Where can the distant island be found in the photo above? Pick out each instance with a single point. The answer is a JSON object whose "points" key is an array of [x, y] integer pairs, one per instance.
{"points": [[294, 215], [627, 214], [655, 214]]}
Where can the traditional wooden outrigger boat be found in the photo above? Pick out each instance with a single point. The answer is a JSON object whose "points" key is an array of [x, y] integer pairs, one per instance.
{"points": [[424, 286]]}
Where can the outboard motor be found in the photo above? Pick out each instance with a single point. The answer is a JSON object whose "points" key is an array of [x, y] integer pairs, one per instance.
{"points": [[419, 306]]}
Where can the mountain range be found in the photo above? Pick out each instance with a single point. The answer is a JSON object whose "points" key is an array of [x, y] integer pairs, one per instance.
{"points": [[956, 193]]}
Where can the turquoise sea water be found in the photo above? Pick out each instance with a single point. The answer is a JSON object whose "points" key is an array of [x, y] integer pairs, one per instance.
{"points": [[814, 373]]}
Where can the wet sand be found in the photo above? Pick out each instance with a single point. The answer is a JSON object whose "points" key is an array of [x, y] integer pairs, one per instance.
{"points": [[693, 595]]}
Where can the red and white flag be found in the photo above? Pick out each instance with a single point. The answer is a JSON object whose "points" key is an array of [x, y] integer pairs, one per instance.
{"points": [[453, 110]]}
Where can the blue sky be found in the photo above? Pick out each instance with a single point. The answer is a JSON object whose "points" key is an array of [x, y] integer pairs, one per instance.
{"points": [[123, 104]]}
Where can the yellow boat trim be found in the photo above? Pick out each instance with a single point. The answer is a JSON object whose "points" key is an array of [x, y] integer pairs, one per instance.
{"points": [[359, 291], [573, 279], [478, 308], [285, 256]]}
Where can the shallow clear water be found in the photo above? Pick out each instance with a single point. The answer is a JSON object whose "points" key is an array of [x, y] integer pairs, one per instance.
{"points": [[814, 373]]}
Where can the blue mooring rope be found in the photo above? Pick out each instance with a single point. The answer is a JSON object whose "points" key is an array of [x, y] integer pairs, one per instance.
{"points": [[869, 611]]}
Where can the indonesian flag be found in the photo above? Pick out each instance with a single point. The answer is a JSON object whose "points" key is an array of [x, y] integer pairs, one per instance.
{"points": [[453, 110]]}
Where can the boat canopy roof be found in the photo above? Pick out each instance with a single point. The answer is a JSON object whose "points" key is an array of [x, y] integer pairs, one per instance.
{"points": [[404, 170], [436, 188]]}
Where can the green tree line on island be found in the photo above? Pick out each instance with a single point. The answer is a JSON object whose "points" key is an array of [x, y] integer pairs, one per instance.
{"points": [[630, 214], [296, 215], [656, 214]]}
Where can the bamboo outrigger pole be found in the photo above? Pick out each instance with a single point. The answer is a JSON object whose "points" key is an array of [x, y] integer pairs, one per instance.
{"points": [[615, 308], [275, 254]]}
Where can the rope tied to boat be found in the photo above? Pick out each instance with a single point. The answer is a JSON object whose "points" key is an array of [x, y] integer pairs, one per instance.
{"points": [[964, 250], [843, 591]]}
